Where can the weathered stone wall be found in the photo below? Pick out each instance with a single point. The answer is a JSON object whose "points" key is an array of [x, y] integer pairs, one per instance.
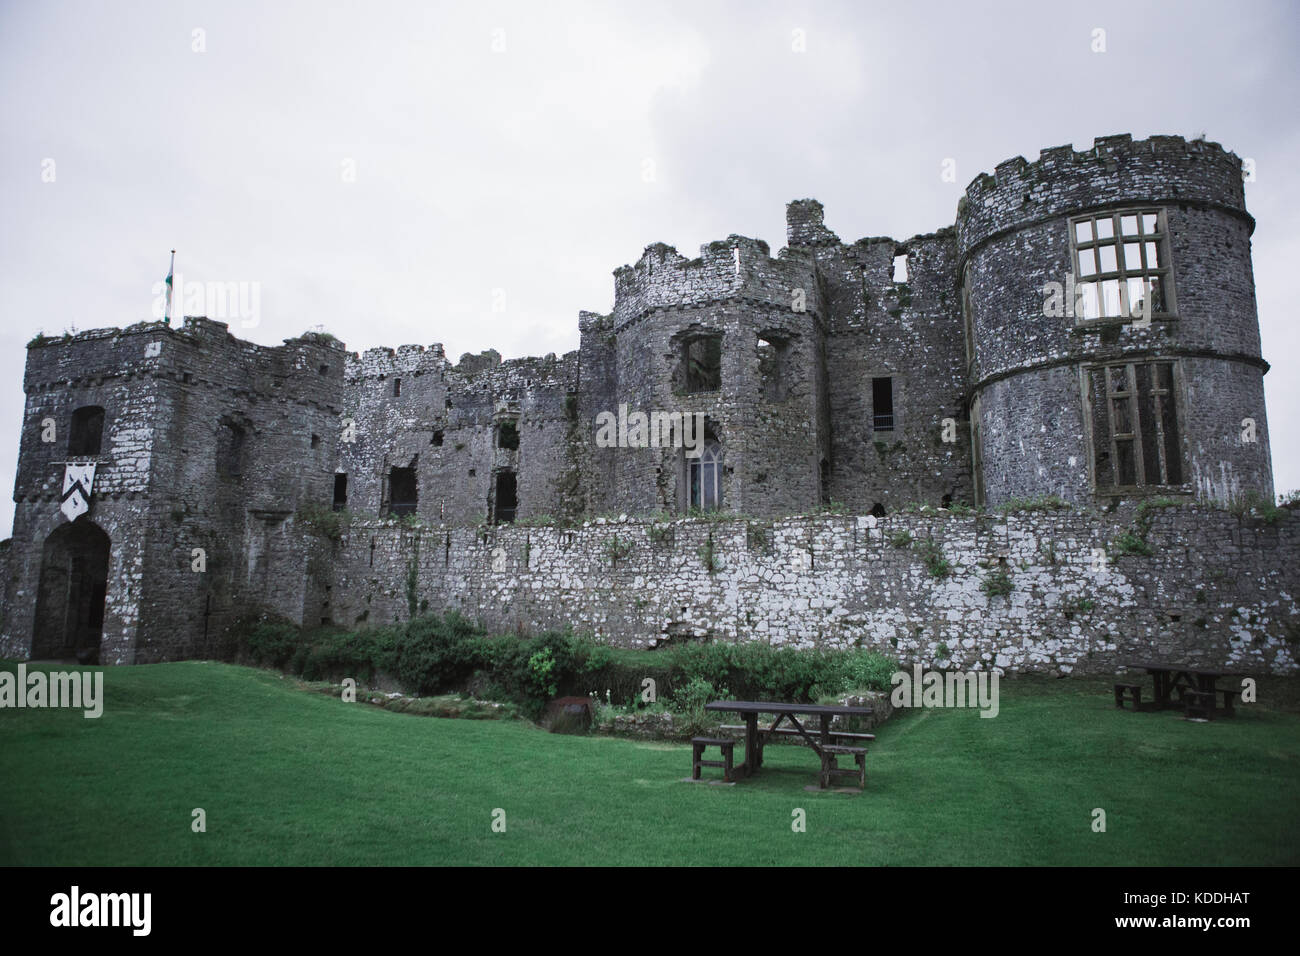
{"points": [[1216, 589], [907, 331]]}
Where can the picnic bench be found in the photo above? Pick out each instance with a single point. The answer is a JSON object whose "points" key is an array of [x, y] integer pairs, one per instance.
{"points": [[829, 745], [1195, 688]]}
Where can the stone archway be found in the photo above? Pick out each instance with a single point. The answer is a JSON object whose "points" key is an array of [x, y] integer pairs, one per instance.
{"points": [[70, 599]]}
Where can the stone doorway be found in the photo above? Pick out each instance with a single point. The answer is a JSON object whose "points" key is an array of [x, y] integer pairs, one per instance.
{"points": [[70, 600]]}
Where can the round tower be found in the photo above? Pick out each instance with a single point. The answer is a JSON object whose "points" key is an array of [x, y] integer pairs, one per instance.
{"points": [[1111, 326]]}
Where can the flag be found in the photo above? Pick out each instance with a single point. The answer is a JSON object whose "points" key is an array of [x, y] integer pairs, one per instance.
{"points": [[167, 308], [77, 482]]}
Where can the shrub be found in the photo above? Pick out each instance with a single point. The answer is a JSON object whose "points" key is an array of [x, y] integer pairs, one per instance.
{"points": [[271, 640], [1129, 542], [935, 562], [998, 583]]}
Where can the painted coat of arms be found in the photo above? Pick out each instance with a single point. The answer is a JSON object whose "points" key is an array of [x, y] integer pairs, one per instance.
{"points": [[77, 482]]}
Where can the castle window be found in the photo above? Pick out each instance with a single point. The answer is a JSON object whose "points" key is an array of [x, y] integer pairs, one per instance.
{"points": [[231, 440], [402, 493], [1121, 266], [315, 441], [704, 477], [505, 499], [397, 387], [340, 492], [1134, 420], [508, 436], [700, 368], [900, 268], [773, 356], [882, 404], [436, 439], [87, 431]]}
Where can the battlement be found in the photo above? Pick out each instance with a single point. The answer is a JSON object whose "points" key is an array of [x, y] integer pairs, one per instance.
{"points": [[735, 267], [1116, 169], [158, 350]]}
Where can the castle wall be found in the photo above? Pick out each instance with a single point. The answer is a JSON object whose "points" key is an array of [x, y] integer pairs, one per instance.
{"points": [[1215, 590], [909, 332]]}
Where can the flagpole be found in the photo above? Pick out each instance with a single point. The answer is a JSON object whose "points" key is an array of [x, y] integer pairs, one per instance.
{"points": [[168, 307]]}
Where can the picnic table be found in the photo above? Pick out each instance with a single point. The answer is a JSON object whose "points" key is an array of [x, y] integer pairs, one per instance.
{"points": [[1180, 678], [820, 739]]}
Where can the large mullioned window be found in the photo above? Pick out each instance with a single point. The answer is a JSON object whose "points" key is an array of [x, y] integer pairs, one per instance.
{"points": [[1121, 265], [1135, 426]]}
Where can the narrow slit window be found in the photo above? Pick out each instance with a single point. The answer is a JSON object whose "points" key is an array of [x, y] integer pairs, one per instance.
{"points": [[340, 492]]}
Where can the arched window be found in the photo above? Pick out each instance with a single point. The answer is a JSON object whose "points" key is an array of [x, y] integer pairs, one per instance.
{"points": [[704, 477], [87, 431]]}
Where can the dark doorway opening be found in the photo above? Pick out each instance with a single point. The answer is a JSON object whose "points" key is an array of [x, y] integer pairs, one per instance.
{"points": [[402, 495], [507, 497], [340, 492], [70, 598]]}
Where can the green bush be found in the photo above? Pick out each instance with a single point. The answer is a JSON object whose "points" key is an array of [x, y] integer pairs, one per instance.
{"points": [[271, 640]]}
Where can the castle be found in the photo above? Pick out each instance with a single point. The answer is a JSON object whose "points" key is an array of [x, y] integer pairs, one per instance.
{"points": [[1086, 330]]}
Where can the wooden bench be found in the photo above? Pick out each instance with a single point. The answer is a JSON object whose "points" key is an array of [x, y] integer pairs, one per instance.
{"points": [[725, 744], [830, 769], [1199, 705], [1128, 691], [835, 735]]}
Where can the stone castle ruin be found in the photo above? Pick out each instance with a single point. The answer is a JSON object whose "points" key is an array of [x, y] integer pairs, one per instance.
{"points": [[887, 426]]}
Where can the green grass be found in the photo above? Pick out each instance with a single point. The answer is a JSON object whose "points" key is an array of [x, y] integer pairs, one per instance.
{"points": [[292, 777]]}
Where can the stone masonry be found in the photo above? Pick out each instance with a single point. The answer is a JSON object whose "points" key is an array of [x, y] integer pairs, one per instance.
{"points": [[840, 386]]}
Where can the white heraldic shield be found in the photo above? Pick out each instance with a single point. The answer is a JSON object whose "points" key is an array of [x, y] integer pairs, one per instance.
{"points": [[77, 481]]}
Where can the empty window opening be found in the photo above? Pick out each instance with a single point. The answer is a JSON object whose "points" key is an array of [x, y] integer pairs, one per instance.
{"points": [[87, 431], [1135, 430], [436, 439], [340, 492], [315, 441], [947, 501], [900, 268], [231, 440], [187, 378], [402, 495], [882, 404], [505, 497], [324, 369], [397, 387], [700, 369], [773, 357], [877, 510], [508, 435]]}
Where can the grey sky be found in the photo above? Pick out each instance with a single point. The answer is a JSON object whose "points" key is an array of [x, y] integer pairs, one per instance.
{"points": [[524, 170]]}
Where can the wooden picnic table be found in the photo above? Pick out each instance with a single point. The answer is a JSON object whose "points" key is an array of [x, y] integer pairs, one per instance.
{"points": [[750, 709], [1169, 678]]}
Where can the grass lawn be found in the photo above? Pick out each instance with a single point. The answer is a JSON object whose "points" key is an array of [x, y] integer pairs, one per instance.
{"points": [[290, 777]]}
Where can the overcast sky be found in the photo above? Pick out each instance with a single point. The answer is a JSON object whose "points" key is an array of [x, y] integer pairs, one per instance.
{"points": [[384, 169]]}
